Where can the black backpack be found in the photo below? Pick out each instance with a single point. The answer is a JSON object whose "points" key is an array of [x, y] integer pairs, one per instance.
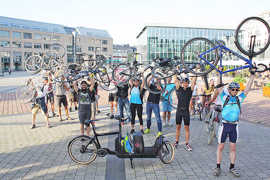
{"points": [[237, 101]]}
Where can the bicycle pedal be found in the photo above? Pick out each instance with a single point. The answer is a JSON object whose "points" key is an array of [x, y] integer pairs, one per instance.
{"points": [[102, 152]]}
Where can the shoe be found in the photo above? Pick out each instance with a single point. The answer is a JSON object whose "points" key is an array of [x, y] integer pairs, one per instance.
{"points": [[98, 111], [188, 147], [33, 126], [159, 134], [142, 131], [61, 120], [70, 110], [176, 144], [147, 131], [132, 131], [217, 171], [112, 116], [69, 118], [53, 114], [235, 172], [76, 108]]}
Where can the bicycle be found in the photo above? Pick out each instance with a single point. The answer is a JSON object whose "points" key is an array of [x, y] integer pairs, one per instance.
{"points": [[208, 54], [90, 148]]}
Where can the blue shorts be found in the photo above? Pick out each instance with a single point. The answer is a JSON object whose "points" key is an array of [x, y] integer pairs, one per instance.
{"points": [[228, 129], [166, 107]]}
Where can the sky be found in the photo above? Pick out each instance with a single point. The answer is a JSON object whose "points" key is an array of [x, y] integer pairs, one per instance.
{"points": [[124, 19]]}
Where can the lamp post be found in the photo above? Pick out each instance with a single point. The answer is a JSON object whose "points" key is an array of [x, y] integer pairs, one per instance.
{"points": [[74, 35]]}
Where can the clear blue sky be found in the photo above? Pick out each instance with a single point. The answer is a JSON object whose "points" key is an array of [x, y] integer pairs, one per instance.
{"points": [[124, 19]]}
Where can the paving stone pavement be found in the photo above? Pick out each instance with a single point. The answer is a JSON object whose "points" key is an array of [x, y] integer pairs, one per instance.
{"points": [[41, 153]]}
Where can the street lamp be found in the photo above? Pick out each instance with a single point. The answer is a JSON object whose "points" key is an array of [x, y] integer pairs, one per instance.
{"points": [[74, 35]]}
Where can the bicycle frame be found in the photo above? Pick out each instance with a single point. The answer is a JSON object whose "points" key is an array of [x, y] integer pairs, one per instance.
{"points": [[220, 48]]}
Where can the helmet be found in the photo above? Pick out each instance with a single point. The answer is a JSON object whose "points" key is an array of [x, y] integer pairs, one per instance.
{"points": [[234, 85]]}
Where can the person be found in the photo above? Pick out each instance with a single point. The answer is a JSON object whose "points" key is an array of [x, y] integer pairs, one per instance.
{"points": [[208, 92], [40, 92], [153, 105], [60, 93], [50, 94], [72, 96], [136, 101], [166, 107], [230, 117], [97, 97], [184, 94], [123, 103], [113, 99], [84, 99], [93, 98]]}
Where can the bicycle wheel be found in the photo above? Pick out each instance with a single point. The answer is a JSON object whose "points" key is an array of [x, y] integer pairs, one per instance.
{"points": [[102, 76], [166, 153], [82, 150], [261, 68], [121, 73], [173, 100], [252, 26], [165, 71], [33, 64], [56, 51], [158, 78], [199, 51]]}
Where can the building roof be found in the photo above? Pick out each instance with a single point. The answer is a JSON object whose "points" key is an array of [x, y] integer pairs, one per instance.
{"points": [[145, 27], [15, 23], [91, 32]]}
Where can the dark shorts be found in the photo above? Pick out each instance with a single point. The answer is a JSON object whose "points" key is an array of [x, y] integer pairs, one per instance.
{"points": [[180, 117], [50, 97], [228, 129], [61, 100], [84, 116], [75, 97], [113, 97], [40, 104]]}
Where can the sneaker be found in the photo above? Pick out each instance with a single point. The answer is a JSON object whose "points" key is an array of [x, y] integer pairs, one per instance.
{"points": [[76, 108], [69, 118], [176, 144], [132, 131], [188, 147], [159, 134], [33, 126], [147, 131], [217, 171], [142, 131], [53, 114], [61, 120]]}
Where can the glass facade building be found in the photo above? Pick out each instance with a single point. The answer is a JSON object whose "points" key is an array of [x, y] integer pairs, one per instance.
{"points": [[167, 42]]}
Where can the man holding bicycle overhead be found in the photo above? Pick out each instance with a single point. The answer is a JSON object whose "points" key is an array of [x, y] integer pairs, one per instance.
{"points": [[230, 117], [84, 110], [184, 94]]}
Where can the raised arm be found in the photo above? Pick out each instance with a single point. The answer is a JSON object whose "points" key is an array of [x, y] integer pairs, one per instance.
{"points": [[92, 81], [75, 86], [176, 82], [193, 82], [250, 82]]}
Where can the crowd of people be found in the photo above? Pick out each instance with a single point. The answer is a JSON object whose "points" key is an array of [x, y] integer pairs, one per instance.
{"points": [[130, 97]]}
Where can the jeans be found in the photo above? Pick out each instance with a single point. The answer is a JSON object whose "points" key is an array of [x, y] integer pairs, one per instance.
{"points": [[155, 108], [124, 103]]}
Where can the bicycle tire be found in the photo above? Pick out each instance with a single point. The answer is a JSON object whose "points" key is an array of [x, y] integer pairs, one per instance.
{"points": [[165, 71], [237, 37], [33, 64], [82, 150], [116, 73], [163, 83], [185, 52], [166, 145]]}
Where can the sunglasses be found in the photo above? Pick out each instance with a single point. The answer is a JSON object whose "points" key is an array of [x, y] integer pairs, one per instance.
{"points": [[235, 90]]}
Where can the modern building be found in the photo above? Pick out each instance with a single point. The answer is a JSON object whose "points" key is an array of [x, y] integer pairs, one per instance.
{"points": [[167, 42], [266, 55], [20, 39], [122, 53]]}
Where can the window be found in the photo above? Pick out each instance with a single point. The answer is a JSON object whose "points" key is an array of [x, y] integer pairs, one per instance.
{"points": [[47, 46], [16, 35], [90, 48], [4, 43], [78, 49], [69, 58], [104, 42], [16, 44], [37, 36], [27, 35], [27, 54], [104, 49], [17, 57], [56, 38], [4, 34], [37, 46], [27, 45], [46, 37], [69, 48]]}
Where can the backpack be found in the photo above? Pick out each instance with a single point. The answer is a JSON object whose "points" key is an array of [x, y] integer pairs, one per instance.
{"points": [[237, 101]]}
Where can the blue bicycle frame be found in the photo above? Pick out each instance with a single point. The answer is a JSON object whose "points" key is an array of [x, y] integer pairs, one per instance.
{"points": [[220, 48]]}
